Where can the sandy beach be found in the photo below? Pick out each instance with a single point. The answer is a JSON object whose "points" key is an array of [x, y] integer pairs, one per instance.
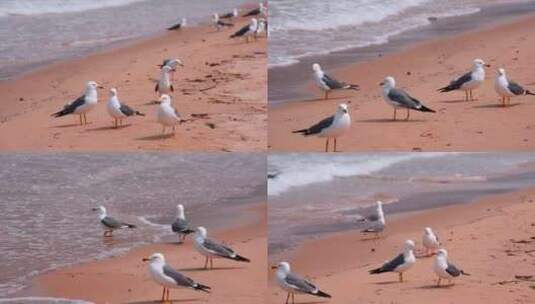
{"points": [[421, 69], [491, 239], [221, 92], [125, 279]]}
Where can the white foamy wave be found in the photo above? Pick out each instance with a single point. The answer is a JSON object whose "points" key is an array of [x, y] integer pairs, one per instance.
{"points": [[294, 170], [37, 7], [30, 300]]}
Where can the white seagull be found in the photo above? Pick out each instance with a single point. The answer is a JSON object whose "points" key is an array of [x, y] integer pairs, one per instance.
{"points": [[211, 249], [401, 263], [167, 115], [181, 225], [293, 284], [261, 29], [247, 31], [507, 88], [164, 85], [261, 9], [376, 221], [444, 269], [469, 81], [230, 15], [331, 127], [218, 23], [173, 64], [83, 104], [167, 277], [109, 223], [327, 83], [183, 23], [119, 111], [430, 241], [400, 99]]}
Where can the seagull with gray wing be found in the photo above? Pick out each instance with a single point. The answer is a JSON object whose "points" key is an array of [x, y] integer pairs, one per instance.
{"points": [[444, 269], [401, 263], [469, 81], [400, 99], [211, 249], [375, 222], [178, 26], [83, 104], [168, 277], [430, 241], [293, 284], [327, 83], [507, 88], [331, 127], [119, 111], [181, 225], [109, 223]]}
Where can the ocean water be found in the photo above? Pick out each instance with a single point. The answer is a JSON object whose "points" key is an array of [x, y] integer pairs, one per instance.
{"points": [[37, 32], [305, 28], [311, 195], [47, 200]]}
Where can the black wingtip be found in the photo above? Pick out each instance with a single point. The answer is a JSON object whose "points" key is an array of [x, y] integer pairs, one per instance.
{"points": [[139, 113], [464, 273], [202, 287], [426, 109], [375, 271], [322, 294], [130, 226], [529, 93], [239, 258]]}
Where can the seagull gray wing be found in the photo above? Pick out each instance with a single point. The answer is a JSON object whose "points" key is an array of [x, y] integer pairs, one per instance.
{"points": [[317, 128], [333, 83], [218, 249], [70, 107], [112, 223], [403, 99], [300, 283], [126, 110], [393, 264], [375, 226], [457, 83], [452, 270], [515, 88], [180, 225], [180, 279]]}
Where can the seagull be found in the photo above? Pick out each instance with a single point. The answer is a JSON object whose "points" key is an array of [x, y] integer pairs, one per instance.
{"points": [[247, 31], [261, 28], [167, 115], [82, 104], [172, 63], [211, 249], [469, 81], [218, 24], [398, 98], [119, 111], [109, 223], [166, 276], [508, 88], [230, 15], [401, 263], [430, 241], [256, 11], [327, 83], [377, 221], [164, 85], [183, 23], [444, 269], [294, 284], [181, 225], [330, 127]]}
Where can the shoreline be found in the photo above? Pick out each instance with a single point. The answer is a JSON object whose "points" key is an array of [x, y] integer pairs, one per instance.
{"points": [[421, 69], [287, 83], [124, 278], [497, 226], [221, 91]]}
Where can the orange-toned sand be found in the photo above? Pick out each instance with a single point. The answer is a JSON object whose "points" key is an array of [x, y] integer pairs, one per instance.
{"points": [[223, 80], [480, 125], [125, 279], [492, 239]]}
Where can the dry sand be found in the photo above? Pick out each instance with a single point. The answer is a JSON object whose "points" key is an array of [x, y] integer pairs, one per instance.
{"points": [[481, 125], [125, 279], [223, 83], [492, 239]]}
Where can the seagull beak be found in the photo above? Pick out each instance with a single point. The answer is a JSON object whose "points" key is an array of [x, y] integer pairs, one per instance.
{"points": [[94, 209], [381, 83], [273, 267], [99, 86], [487, 65], [145, 259]]}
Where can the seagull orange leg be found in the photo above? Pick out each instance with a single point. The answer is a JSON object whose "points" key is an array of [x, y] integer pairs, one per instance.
{"points": [[287, 298], [408, 114], [395, 110], [327, 145]]}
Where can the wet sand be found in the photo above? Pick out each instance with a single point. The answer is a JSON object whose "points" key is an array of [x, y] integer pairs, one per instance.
{"points": [[421, 69], [125, 279], [492, 239], [221, 92]]}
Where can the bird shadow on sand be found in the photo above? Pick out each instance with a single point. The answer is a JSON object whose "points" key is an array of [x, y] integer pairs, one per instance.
{"points": [[496, 106], [455, 101], [389, 120], [434, 286], [157, 137], [388, 282], [151, 103], [311, 302], [71, 125], [106, 128], [210, 269], [170, 301]]}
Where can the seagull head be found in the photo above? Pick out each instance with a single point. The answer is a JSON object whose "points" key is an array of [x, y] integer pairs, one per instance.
{"points": [[155, 257], [166, 69], [282, 267], [388, 82], [216, 17], [442, 253], [409, 245], [165, 99], [179, 62], [100, 209], [180, 210], [428, 230], [235, 12], [316, 68], [254, 22], [201, 231], [501, 72], [341, 109], [93, 85], [113, 92], [479, 63], [184, 22]]}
